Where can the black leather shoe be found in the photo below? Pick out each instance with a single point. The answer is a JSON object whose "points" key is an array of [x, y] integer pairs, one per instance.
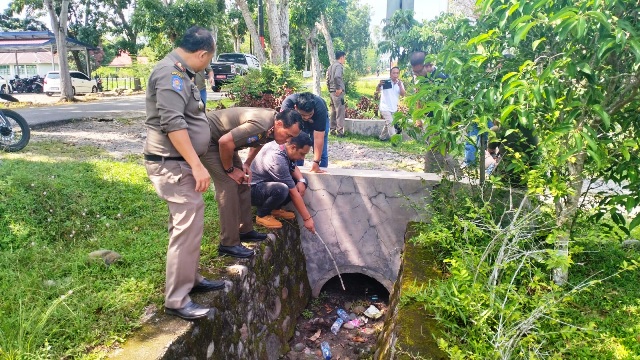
{"points": [[207, 285], [253, 236], [191, 311], [238, 251]]}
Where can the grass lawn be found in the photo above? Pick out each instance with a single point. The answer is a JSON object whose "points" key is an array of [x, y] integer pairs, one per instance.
{"points": [[58, 203]]}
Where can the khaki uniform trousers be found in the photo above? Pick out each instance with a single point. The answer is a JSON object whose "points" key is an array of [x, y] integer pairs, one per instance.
{"points": [[338, 110], [234, 201], [175, 184]]}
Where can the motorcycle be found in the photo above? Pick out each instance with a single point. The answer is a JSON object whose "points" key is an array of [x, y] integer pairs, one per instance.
{"points": [[98, 83], [14, 130], [36, 85]]}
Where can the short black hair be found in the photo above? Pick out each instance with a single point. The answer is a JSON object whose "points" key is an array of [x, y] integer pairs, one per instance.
{"points": [[417, 58], [395, 67], [306, 102], [340, 54], [197, 38], [289, 118], [303, 139]]}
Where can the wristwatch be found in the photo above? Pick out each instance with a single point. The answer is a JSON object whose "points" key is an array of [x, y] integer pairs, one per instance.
{"points": [[229, 170], [304, 181]]}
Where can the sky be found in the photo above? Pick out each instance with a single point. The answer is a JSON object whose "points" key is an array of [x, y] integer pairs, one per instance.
{"points": [[424, 9]]}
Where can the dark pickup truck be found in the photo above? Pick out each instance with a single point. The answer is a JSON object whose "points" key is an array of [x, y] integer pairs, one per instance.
{"points": [[223, 72]]}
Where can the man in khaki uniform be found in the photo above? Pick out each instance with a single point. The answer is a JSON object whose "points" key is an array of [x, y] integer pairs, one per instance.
{"points": [[234, 129], [335, 85], [201, 83], [177, 135]]}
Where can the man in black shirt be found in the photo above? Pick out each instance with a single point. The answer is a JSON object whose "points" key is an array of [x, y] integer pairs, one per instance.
{"points": [[315, 116]]}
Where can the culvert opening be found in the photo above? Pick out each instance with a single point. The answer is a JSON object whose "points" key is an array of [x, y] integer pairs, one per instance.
{"points": [[365, 302]]}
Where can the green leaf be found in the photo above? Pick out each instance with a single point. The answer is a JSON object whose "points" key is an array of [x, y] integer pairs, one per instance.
{"points": [[536, 43], [625, 153], [635, 47], [596, 157], [551, 97], [582, 28], [600, 17], [564, 13], [606, 47], [506, 111], [522, 32], [520, 20], [508, 76], [478, 39], [606, 121], [635, 222]]}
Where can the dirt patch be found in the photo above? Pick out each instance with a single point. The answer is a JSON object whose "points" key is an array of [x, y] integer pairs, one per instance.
{"points": [[124, 134]]}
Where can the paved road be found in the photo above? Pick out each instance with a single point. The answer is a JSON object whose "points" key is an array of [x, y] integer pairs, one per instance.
{"points": [[38, 117]]}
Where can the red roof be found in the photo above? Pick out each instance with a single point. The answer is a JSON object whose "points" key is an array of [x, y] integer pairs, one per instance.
{"points": [[27, 58]]}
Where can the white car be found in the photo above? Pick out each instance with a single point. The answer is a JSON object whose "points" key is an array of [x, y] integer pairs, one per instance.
{"points": [[243, 62], [80, 83], [5, 86]]}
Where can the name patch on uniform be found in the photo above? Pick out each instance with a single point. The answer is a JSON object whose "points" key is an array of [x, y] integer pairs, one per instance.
{"points": [[252, 139], [177, 73], [176, 83]]}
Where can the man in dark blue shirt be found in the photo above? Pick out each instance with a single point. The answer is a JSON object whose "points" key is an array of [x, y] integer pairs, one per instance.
{"points": [[315, 116]]}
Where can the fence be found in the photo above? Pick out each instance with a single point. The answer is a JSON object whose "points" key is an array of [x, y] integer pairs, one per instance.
{"points": [[110, 83]]}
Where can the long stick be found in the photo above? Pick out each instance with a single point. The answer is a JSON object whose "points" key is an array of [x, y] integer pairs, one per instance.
{"points": [[332, 259]]}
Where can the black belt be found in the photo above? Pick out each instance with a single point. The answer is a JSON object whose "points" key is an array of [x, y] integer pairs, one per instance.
{"points": [[162, 158]]}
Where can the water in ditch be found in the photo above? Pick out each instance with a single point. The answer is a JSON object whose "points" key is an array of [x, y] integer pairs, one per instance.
{"points": [[357, 339]]}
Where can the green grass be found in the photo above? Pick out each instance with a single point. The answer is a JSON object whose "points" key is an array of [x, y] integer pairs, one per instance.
{"points": [[57, 204]]}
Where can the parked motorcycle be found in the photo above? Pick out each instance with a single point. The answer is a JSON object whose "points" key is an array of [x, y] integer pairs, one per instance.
{"points": [[98, 83], [14, 130], [36, 84]]}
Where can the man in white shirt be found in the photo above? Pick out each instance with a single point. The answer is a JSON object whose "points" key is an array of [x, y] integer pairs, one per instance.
{"points": [[391, 90]]}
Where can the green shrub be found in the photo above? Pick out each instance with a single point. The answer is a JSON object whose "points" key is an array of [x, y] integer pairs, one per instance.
{"points": [[264, 88]]}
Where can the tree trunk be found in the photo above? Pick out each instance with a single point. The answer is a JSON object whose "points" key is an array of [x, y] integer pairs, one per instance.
{"points": [[316, 67], [251, 26], [59, 26], [324, 27], [76, 59], [566, 209], [284, 30], [275, 40]]}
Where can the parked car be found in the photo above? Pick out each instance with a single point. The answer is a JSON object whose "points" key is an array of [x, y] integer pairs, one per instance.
{"points": [[5, 87], [223, 72], [80, 83], [243, 62]]}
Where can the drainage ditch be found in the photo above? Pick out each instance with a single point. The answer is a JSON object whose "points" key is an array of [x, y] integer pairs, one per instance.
{"points": [[356, 339]]}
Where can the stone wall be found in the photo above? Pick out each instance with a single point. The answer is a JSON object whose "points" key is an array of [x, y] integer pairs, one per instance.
{"points": [[362, 216], [253, 318], [367, 127]]}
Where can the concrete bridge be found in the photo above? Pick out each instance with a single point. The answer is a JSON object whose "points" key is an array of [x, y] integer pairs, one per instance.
{"points": [[362, 216]]}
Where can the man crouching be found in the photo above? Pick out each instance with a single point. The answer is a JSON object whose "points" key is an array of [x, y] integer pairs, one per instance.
{"points": [[276, 180]]}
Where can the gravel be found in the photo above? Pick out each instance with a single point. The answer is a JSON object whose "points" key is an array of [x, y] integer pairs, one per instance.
{"points": [[125, 135]]}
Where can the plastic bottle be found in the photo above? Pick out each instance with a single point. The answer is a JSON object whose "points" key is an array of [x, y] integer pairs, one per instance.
{"points": [[336, 326], [343, 315], [326, 350]]}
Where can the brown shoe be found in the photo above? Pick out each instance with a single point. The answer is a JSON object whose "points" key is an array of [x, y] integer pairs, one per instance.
{"points": [[269, 222], [283, 214]]}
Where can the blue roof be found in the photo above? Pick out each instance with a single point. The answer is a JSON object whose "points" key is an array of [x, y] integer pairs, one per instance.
{"points": [[35, 41]]}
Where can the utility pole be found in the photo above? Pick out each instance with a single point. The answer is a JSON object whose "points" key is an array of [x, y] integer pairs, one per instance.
{"points": [[261, 22]]}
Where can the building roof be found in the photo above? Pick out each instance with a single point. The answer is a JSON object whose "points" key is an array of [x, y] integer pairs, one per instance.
{"points": [[35, 41], [124, 60], [27, 58]]}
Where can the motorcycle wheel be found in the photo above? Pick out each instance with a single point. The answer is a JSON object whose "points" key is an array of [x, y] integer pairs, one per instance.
{"points": [[14, 131], [3, 89]]}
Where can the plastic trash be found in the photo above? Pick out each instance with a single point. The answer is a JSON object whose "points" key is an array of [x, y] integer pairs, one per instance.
{"points": [[336, 326], [326, 350], [372, 312], [343, 315]]}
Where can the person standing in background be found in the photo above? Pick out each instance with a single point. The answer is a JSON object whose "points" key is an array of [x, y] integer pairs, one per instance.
{"points": [[335, 85], [201, 83], [391, 91]]}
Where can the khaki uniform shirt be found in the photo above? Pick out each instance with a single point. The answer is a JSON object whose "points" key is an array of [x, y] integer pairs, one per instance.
{"points": [[334, 77], [173, 103], [250, 127], [201, 78]]}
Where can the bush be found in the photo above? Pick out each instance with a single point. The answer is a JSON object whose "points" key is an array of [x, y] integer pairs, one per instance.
{"points": [[366, 108], [266, 88]]}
